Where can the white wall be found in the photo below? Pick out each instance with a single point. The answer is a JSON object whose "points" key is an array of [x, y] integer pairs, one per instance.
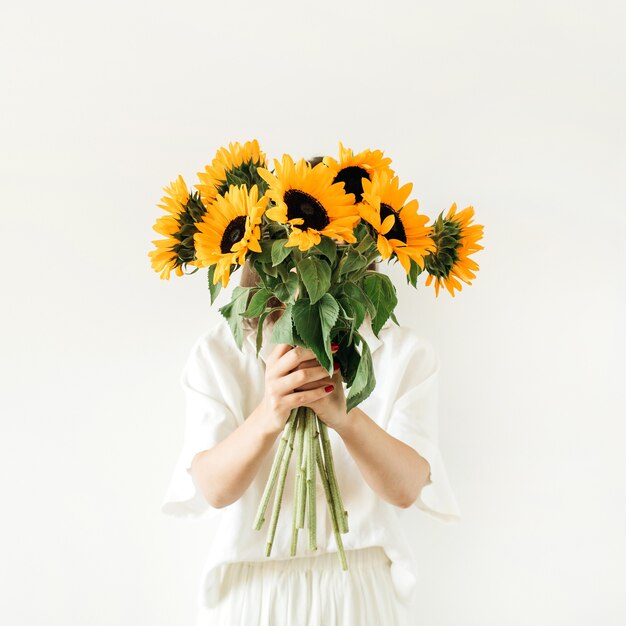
{"points": [[514, 107]]}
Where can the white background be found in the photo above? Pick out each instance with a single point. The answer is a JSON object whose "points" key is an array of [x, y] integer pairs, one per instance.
{"points": [[514, 107]]}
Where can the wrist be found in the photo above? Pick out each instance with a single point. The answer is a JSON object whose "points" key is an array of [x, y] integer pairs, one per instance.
{"points": [[268, 424], [350, 425]]}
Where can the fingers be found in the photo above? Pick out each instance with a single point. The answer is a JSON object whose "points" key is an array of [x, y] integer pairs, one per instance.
{"points": [[335, 376], [317, 376], [290, 359], [308, 363], [299, 379], [304, 398], [278, 351], [294, 377]]}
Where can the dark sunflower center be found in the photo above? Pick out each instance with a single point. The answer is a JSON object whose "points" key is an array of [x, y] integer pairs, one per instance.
{"points": [[352, 177], [302, 205], [397, 230], [233, 233]]}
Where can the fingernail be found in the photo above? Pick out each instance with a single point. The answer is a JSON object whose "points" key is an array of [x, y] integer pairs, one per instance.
{"points": [[335, 366], [334, 346], [328, 388]]}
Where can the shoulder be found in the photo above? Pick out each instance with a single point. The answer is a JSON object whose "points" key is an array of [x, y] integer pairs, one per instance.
{"points": [[407, 352], [216, 343], [214, 360], [406, 341]]}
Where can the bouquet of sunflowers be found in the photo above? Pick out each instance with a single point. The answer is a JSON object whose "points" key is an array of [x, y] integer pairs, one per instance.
{"points": [[312, 231]]}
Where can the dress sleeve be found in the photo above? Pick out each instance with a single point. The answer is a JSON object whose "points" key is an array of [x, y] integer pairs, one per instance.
{"points": [[414, 420], [208, 420]]}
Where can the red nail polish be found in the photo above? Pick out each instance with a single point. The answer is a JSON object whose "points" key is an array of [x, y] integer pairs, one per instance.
{"points": [[335, 366], [334, 345], [329, 388]]}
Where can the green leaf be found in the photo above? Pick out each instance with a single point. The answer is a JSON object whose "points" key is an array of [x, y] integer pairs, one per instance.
{"points": [[233, 310], [361, 377], [382, 293], [356, 293], [359, 315], [361, 230], [355, 312], [259, 331], [265, 256], [297, 340], [391, 297], [365, 244], [364, 380], [356, 399], [315, 274], [270, 270], [328, 313], [213, 289], [257, 303], [348, 357], [414, 272], [352, 261], [269, 282], [306, 319], [344, 312], [275, 229], [286, 292], [279, 252], [326, 247], [282, 332]]}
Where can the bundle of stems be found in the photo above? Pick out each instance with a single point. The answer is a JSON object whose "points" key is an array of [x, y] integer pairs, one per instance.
{"points": [[301, 439]]}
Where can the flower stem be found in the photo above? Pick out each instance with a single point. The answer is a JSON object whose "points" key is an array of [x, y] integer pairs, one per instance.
{"points": [[341, 513], [331, 508], [301, 470], [297, 496], [271, 481], [311, 475], [284, 466]]}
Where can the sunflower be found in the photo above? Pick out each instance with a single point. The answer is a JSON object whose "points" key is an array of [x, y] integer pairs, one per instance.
{"points": [[229, 229], [306, 198], [177, 249], [235, 165], [401, 230], [456, 238], [352, 168]]}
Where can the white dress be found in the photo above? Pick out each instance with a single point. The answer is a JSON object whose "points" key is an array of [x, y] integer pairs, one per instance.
{"points": [[308, 591], [223, 385]]}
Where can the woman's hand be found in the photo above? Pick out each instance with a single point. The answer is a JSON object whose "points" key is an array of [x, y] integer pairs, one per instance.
{"points": [[331, 406], [293, 378]]}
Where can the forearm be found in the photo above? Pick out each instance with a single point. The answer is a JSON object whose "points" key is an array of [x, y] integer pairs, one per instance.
{"points": [[394, 470], [224, 472]]}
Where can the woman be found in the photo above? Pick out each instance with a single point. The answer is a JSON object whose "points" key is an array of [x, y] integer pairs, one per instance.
{"points": [[386, 457]]}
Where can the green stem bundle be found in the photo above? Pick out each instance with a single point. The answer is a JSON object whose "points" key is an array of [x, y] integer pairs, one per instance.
{"points": [[305, 437]]}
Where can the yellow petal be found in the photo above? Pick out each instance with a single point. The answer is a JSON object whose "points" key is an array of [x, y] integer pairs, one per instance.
{"points": [[387, 224], [384, 247]]}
